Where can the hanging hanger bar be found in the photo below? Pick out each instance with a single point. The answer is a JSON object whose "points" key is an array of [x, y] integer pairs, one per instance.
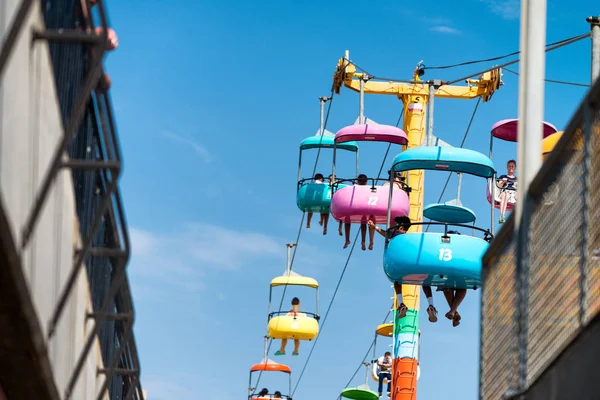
{"points": [[459, 185], [266, 348], [323, 100], [289, 266], [361, 100]]}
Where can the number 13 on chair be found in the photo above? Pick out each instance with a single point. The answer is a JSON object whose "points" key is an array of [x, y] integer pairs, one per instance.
{"points": [[445, 254]]}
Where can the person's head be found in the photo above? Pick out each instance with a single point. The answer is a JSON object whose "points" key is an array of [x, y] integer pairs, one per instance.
{"points": [[511, 166], [362, 179], [330, 178], [397, 175], [295, 303], [319, 177], [277, 394], [263, 392], [403, 223], [388, 354]]}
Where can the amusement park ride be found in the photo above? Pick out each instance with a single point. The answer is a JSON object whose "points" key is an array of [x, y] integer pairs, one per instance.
{"points": [[443, 259]]}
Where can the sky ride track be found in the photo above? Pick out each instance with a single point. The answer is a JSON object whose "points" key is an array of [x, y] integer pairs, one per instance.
{"points": [[415, 96]]}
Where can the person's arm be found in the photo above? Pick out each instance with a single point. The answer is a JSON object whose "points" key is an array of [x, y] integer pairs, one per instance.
{"points": [[378, 229], [502, 180]]}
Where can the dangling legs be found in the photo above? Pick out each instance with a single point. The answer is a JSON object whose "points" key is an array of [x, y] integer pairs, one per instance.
{"points": [[363, 234], [503, 205], [400, 306], [449, 295], [371, 236], [431, 311], [340, 229], [347, 226], [296, 347], [281, 351], [454, 298], [324, 222], [389, 378], [308, 218]]}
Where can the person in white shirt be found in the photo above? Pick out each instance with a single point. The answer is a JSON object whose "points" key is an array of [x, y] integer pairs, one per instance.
{"points": [[264, 394], [384, 370], [324, 216]]}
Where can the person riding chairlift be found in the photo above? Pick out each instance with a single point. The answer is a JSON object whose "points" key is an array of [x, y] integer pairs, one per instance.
{"points": [[264, 394], [331, 182], [507, 182], [361, 180], [401, 227], [293, 313], [454, 297], [324, 216], [399, 181], [384, 371]]}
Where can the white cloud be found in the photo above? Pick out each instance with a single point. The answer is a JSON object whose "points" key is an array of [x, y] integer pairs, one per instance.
{"points": [[181, 258], [435, 20], [445, 29], [160, 388], [506, 9], [197, 147]]}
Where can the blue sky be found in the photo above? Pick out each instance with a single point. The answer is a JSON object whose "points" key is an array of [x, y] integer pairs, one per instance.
{"points": [[212, 100]]}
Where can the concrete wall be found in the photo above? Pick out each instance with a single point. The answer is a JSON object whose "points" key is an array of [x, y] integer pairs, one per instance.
{"points": [[30, 127], [574, 374]]}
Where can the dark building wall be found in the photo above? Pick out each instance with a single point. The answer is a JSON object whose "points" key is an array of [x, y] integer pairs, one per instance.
{"points": [[575, 374], [70, 63]]}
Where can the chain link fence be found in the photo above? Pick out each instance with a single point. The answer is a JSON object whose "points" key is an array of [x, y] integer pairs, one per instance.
{"points": [[541, 289]]}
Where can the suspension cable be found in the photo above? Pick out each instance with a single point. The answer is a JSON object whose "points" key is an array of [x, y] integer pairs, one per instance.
{"points": [[299, 234], [340, 279], [514, 53], [367, 353], [327, 313], [389, 146], [553, 80], [548, 49], [461, 145]]}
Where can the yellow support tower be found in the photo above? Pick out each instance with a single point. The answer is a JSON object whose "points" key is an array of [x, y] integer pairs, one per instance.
{"points": [[414, 96]]}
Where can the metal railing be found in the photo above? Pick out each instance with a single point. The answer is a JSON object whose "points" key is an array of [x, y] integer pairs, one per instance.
{"points": [[540, 291], [95, 161], [94, 158]]}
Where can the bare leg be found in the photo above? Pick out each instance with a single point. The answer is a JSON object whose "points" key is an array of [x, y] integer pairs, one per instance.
{"points": [[325, 219], [340, 229], [347, 228], [459, 296], [363, 234], [427, 291], [503, 204], [296, 347], [371, 237], [431, 311], [282, 348], [400, 306], [454, 298], [308, 218], [398, 288], [449, 295]]}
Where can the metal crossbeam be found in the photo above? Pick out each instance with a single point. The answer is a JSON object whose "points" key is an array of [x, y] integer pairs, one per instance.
{"points": [[106, 161], [13, 33]]}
